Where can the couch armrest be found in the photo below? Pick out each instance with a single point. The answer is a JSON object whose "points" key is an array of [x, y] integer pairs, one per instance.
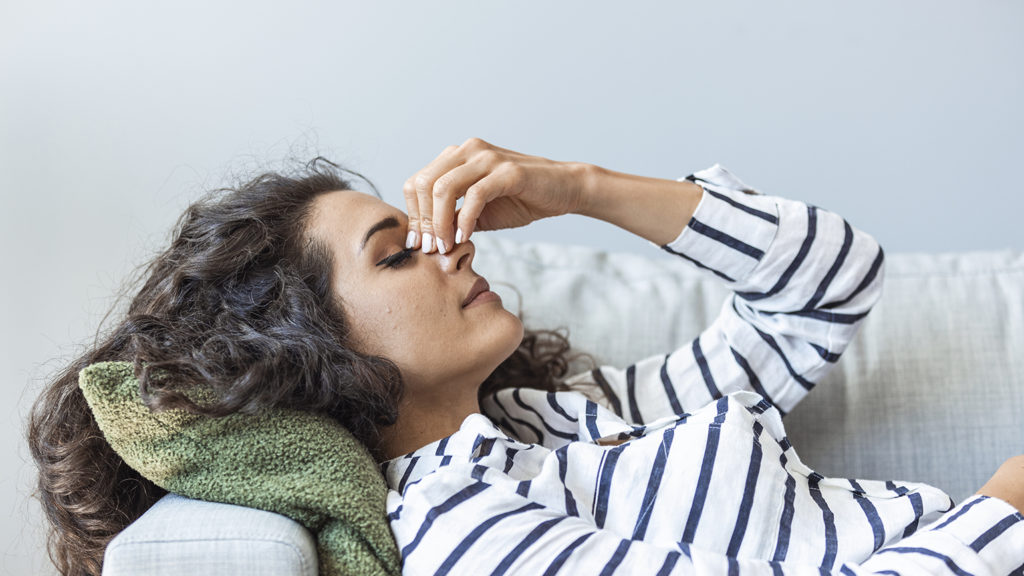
{"points": [[180, 536]]}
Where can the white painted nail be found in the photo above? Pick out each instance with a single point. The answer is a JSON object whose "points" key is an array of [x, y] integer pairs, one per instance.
{"points": [[410, 240], [440, 246], [428, 242], [458, 236]]}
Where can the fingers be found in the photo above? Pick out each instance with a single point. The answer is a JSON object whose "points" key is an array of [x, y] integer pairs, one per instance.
{"points": [[418, 192], [447, 190], [412, 208], [432, 193], [477, 196]]}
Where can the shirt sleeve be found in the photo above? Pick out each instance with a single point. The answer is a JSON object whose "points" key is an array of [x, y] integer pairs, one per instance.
{"points": [[479, 529], [803, 280], [983, 535]]}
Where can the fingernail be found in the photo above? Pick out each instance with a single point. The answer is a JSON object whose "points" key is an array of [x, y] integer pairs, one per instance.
{"points": [[458, 236], [410, 240], [440, 246], [428, 242]]}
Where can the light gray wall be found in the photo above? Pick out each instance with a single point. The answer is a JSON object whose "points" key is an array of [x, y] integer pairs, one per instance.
{"points": [[904, 117]]}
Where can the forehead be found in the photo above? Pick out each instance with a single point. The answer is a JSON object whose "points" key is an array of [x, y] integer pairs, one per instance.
{"points": [[342, 218]]}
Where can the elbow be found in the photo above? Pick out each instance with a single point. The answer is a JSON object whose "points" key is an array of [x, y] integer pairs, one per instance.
{"points": [[875, 276], [868, 276]]}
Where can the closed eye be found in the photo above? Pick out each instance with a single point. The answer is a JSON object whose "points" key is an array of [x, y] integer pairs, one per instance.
{"points": [[398, 259]]}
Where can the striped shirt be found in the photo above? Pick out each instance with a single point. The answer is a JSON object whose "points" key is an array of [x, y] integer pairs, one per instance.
{"points": [[704, 480]]}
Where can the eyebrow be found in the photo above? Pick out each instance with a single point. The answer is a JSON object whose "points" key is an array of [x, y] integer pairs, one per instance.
{"points": [[385, 224]]}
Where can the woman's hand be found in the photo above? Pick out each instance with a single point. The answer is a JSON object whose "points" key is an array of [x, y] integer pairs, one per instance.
{"points": [[502, 189], [1007, 483]]}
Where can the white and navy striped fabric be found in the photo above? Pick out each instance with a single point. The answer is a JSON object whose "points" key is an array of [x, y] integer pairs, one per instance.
{"points": [[706, 481]]}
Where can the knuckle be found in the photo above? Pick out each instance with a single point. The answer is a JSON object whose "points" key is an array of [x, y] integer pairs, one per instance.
{"points": [[451, 148], [422, 183], [474, 143], [489, 155], [514, 171], [442, 185]]}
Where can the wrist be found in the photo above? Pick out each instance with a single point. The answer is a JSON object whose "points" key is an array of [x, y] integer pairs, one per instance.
{"points": [[656, 209], [582, 182], [1007, 484], [579, 183]]}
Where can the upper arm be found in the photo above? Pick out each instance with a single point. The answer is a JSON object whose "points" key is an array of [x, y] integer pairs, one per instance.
{"points": [[803, 280]]}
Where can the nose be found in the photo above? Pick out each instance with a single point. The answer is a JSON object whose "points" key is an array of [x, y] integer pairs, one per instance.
{"points": [[460, 257]]}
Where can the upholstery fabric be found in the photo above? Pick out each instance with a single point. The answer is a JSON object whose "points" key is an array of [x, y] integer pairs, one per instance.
{"points": [[183, 536]]}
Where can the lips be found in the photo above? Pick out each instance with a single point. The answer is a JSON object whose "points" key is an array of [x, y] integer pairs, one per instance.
{"points": [[479, 286]]}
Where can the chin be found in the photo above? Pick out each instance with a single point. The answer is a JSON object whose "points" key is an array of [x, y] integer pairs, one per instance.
{"points": [[519, 332], [496, 337], [503, 338], [511, 333]]}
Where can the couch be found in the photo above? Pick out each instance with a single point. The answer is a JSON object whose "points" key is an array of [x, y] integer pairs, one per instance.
{"points": [[931, 390]]}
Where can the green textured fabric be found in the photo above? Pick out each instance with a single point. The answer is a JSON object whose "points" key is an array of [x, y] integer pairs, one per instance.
{"points": [[305, 466]]}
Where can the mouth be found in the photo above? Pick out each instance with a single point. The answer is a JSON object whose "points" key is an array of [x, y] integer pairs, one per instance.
{"points": [[479, 287]]}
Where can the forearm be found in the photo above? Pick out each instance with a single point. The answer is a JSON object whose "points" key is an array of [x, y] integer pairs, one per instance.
{"points": [[653, 208]]}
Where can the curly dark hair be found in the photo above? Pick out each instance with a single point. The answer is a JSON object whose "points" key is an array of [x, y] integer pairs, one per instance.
{"points": [[240, 301]]}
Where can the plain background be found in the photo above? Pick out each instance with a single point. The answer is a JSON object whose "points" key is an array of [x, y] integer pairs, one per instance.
{"points": [[903, 117]]}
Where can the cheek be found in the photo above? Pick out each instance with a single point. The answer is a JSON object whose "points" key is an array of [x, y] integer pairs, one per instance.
{"points": [[398, 329], [420, 336], [415, 320]]}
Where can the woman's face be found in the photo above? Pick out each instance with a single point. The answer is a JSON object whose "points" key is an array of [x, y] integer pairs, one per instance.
{"points": [[412, 314]]}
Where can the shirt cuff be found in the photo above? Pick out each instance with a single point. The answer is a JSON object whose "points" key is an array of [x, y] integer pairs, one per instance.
{"points": [[731, 228], [983, 535], [991, 527]]}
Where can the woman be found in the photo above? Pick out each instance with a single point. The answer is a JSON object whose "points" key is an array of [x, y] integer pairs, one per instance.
{"points": [[300, 292]]}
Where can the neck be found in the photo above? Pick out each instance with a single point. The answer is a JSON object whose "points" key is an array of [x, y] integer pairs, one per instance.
{"points": [[421, 423]]}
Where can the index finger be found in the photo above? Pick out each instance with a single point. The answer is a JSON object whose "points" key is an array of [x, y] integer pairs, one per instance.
{"points": [[418, 193]]}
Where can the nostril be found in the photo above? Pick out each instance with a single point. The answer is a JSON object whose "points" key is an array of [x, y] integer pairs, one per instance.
{"points": [[464, 258]]}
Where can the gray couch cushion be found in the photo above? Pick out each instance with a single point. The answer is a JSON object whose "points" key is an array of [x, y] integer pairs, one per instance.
{"points": [[183, 536]]}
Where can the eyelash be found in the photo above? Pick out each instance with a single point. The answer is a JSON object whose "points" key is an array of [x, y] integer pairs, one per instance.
{"points": [[398, 259]]}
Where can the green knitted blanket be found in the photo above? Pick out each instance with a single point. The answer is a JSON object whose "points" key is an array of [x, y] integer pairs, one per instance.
{"points": [[302, 465]]}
